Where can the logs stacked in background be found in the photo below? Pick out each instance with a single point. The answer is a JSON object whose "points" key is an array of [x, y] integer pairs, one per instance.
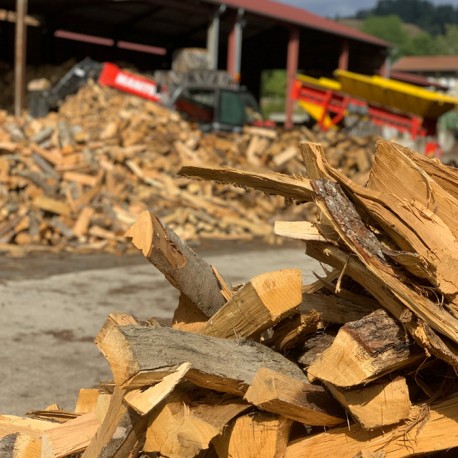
{"points": [[362, 363], [76, 179]]}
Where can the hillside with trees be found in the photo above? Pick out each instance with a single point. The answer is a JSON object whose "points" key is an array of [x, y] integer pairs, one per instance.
{"points": [[436, 32]]}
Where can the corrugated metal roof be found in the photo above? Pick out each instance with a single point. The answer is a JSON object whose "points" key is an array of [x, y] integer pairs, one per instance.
{"points": [[301, 17], [427, 64]]}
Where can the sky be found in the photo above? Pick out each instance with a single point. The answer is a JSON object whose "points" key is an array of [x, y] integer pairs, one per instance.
{"points": [[342, 8]]}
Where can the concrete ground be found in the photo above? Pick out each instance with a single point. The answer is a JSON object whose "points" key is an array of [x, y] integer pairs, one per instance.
{"points": [[53, 306]]}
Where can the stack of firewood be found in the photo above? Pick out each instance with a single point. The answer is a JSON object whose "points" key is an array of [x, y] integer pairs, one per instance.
{"points": [[362, 363], [77, 179]]}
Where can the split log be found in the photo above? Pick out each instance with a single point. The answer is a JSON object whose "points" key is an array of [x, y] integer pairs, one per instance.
{"points": [[366, 246], [87, 400], [294, 399], [410, 182], [355, 269], [260, 303], [10, 424], [376, 405], [299, 230], [292, 332], [184, 426], [52, 205], [365, 350], [336, 309], [181, 266], [20, 445], [143, 401], [70, 437], [254, 435], [269, 183], [428, 432], [120, 432], [127, 349]]}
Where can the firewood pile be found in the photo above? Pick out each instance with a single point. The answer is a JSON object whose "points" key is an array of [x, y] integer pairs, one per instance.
{"points": [[46, 74], [77, 179], [361, 363]]}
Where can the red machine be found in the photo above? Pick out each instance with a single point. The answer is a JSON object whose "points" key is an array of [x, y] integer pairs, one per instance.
{"points": [[405, 108]]}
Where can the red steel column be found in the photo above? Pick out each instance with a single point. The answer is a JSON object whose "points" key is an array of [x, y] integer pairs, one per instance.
{"points": [[344, 54], [234, 46], [291, 71]]}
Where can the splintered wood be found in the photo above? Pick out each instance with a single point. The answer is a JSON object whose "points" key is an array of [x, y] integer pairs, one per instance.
{"points": [[360, 363], [83, 175]]}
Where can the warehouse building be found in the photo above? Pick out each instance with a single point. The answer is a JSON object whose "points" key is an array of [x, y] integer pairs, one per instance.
{"points": [[245, 37]]}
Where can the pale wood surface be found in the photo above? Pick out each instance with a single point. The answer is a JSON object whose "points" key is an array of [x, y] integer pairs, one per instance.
{"points": [[364, 350], [259, 304], [428, 434], [376, 405], [291, 398]]}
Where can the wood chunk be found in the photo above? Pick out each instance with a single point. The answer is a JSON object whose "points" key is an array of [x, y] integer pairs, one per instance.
{"points": [[133, 364], [70, 437], [335, 309], [81, 226], [10, 424], [300, 401], [259, 304], [370, 251], [410, 182], [120, 432], [81, 178], [364, 350], [291, 332], [376, 405], [428, 432], [285, 156], [20, 445], [143, 401], [184, 269], [417, 329], [87, 400], [187, 313], [314, 347], [254, 435], [300, 230], [261, 131], [270, 183], [52, 205], [183, 427]]}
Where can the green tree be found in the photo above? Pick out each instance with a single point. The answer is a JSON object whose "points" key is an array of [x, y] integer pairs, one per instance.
{"points": [[388, 28], [431, 18], [273, 83], [447, 44], [420, 45]]}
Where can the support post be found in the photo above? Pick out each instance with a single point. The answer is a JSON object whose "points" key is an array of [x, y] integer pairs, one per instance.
{"points": [[385, 68], [344, 54], [213, 39], [234, 51], [20, 57], [291, 71]]}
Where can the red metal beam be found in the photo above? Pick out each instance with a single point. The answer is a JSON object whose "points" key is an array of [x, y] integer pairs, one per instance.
{"points": [[66, 34], [142, 48], [291, 72]]}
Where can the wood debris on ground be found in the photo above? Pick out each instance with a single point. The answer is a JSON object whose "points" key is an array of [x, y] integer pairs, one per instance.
{"points": [[76, 179], [361, 363]]}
